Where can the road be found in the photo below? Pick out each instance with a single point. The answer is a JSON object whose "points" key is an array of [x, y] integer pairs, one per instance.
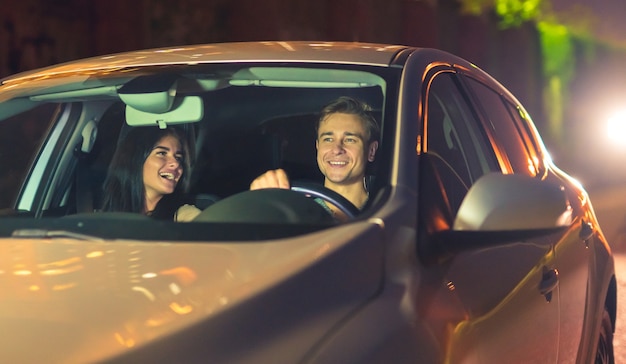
{"points": [[610, 206]]}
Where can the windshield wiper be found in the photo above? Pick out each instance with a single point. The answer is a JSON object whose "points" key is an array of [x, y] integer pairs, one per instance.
{"points": [[43, 233]]}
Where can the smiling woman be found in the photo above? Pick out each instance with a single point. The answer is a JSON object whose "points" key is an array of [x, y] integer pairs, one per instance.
{"points": [[147, 175]]}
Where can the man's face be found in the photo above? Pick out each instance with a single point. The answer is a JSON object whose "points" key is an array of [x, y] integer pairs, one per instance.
{"points": [[342, 149]]}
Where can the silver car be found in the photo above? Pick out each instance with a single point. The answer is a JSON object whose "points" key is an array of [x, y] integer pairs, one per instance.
{"points": [[474, 246]]}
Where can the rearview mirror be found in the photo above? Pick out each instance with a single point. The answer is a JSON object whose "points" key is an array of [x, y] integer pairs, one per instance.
{"points": [[153, 99], [188, 109]]}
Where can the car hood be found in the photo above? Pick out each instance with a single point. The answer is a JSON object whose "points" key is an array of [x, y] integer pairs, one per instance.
{"points": [[66, 300]]}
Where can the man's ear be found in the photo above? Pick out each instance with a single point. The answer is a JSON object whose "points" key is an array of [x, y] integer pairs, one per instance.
{"points": [[317, 144], [371, 152]]}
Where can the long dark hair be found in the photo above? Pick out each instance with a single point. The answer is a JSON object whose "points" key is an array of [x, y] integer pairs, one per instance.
{"points": [[123, 187]]}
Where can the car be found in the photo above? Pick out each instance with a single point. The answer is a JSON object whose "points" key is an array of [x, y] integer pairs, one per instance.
{"points": [[474, 246]]}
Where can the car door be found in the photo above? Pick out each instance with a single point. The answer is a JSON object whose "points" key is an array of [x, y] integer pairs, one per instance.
{"points": [[516, 138], [509, 292]]}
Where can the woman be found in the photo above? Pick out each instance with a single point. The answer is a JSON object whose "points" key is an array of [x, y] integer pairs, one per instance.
{"points": [[147, 175]]}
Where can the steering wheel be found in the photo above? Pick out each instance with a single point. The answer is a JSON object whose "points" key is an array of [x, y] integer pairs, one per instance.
{"points": [[318, 191]]}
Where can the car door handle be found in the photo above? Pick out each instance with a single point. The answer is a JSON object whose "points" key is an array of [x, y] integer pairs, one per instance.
{"points": [[586, 231], [549, 281]]}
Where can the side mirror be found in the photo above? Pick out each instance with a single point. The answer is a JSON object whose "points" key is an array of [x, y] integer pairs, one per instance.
{"points": [[503, 208], [499, 202]]}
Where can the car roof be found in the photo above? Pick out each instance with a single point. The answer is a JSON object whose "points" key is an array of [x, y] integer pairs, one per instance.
{"points": [[298, 51]]}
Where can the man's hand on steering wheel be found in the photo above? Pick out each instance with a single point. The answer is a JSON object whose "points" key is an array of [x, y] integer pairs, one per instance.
{"points": [[278, 178]]}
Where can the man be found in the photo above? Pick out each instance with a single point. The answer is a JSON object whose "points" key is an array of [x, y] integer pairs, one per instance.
{"points": [[347, 140]]}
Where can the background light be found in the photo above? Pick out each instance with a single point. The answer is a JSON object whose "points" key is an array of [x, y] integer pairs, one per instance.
{"points": [[616, 128]]}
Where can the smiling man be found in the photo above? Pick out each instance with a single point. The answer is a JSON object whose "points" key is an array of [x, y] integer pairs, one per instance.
{"points": [[347, 140]]}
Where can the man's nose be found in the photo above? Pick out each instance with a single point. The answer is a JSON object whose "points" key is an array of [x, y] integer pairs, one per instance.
{"points": [[338, 146]]}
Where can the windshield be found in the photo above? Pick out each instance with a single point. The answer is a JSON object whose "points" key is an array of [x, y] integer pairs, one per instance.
{"points": [[61, 134]]}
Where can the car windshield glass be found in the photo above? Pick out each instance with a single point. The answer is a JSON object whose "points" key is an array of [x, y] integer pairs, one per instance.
{"points": [[61, 133]]}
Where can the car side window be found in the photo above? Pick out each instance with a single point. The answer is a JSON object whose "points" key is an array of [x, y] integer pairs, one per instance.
{"points": [[529, 135], [456, 152], [22, 137], [454, 132], [506, 129]]}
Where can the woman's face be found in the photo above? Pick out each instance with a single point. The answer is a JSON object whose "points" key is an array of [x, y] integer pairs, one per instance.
{"points": [[162, 170]]}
